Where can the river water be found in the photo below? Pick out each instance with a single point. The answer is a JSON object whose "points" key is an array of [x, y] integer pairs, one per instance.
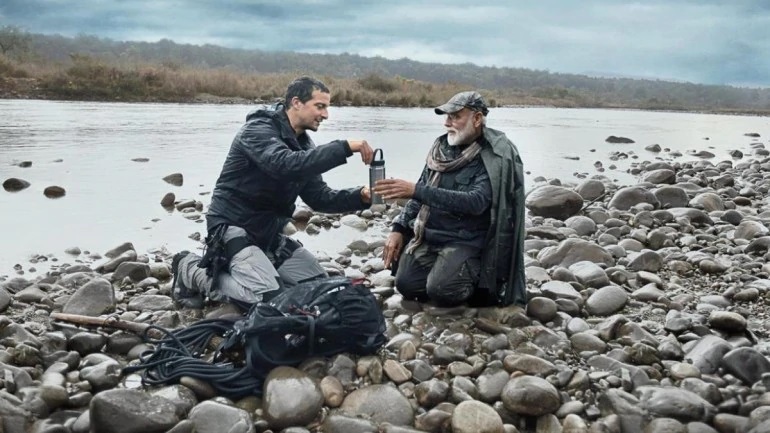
{"points": [[89, 148]]}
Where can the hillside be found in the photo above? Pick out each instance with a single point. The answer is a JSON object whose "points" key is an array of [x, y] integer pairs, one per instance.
{"points": [[44, 56]]}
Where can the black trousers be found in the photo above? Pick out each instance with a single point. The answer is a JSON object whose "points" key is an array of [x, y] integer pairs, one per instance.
{"points": [[445, 275]]}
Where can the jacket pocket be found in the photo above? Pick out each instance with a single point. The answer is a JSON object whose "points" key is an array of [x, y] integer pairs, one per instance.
{"points": [[463, 180]]}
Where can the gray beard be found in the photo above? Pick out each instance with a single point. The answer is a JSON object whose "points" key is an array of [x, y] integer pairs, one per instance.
{"points": [[456, 140], [460, 138]]}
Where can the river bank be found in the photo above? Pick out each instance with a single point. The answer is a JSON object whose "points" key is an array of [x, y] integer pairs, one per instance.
{"points": [[648, 311], [402, 94]]}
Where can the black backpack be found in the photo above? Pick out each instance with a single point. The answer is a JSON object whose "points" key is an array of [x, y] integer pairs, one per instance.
{"points": [[318, 318]]}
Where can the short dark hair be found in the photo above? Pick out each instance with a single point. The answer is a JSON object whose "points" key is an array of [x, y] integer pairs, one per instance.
{"points": [[303, 88]]}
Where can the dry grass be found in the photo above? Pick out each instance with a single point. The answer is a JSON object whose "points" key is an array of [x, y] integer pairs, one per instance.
{"points": [[88, 78]]}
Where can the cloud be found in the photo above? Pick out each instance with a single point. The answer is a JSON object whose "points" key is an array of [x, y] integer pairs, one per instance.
{"points": [[706, 41]]}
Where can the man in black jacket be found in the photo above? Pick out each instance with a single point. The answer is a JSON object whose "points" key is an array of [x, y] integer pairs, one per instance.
{"points": [[271, 162], [461, 231]]}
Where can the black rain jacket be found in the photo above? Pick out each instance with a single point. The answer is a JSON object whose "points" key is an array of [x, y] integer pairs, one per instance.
{"points": [[459, 204], [265, 171]]}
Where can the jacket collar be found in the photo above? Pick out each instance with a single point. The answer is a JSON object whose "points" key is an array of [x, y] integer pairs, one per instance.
{"points": [[496, 140], [287, 132], [303, 141]]}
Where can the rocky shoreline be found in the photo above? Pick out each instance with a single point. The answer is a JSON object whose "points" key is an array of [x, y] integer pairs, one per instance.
{"points": [[648, 313]]}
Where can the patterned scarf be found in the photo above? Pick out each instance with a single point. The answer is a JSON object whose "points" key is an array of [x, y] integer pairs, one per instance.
{"points": [[439, 162]]}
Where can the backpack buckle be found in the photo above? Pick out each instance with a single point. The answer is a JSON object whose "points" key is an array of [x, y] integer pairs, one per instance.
{"points": [[238, 328], [304, 311]]}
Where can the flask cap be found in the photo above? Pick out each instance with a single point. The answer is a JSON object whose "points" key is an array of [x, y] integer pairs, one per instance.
{"points": [[377, 162]]}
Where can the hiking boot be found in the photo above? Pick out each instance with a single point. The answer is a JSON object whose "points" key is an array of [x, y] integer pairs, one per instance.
{"points": [[183, 297]]}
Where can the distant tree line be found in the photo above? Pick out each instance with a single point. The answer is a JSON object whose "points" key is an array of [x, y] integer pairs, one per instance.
{"points": [[38, 55]]}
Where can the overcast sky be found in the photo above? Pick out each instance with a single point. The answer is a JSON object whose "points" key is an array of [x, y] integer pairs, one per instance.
{"points": [[701, 41]]}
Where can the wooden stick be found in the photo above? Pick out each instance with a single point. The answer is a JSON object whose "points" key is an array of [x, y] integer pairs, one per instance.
{"points": [[125, 325], [593, 201], [110, 322]]}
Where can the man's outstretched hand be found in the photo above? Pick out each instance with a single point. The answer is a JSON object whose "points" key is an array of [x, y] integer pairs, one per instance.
{"points": [[394, 188], [362, 147], [366, 195]]}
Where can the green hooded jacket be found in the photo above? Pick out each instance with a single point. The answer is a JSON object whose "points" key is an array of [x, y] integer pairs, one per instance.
{"points": [[502, 280]]}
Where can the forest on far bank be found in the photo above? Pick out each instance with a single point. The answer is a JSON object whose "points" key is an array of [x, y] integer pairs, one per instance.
{"points": [[96, 69]]}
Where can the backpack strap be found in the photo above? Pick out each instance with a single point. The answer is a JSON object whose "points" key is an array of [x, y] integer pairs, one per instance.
{"points": [[311, 335], [257, 356], [218, 253], [370, 341]]}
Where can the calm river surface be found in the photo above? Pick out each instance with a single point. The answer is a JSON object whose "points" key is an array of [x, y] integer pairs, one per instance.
{"points": [[87, 148]]}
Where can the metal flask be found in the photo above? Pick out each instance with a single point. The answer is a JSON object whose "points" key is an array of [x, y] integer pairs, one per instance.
{"points": [[376, 172]]}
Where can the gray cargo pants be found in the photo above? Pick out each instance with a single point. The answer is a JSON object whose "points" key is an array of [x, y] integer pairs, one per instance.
{"points": [[446, 275], [250, 273]]}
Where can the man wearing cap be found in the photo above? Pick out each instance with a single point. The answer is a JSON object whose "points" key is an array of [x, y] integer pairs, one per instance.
{"points": [[460, 236]]}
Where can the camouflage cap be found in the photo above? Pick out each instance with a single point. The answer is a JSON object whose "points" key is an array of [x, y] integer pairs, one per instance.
{"points": [[470, 99]]}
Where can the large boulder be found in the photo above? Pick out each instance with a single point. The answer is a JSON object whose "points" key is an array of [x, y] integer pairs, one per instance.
{"points": [[671, 196], [696, 216], [291, 398], [660, 176], [94, 298], [677, 403], [213, 417], [530, 396], [606, 301], [626, 198], [574, 250], [590, 189], [750, 230], [475, 417], [131, 411], [552, 201], [708, 201], [381, 403], [582, 225]]}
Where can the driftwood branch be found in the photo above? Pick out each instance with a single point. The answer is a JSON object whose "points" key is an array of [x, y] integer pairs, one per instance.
{"points": [[105, 322], [593, 201], [125, 325]]}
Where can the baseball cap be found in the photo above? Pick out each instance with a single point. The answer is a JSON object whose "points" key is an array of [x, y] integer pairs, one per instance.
{"points": [[470, 99]]}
